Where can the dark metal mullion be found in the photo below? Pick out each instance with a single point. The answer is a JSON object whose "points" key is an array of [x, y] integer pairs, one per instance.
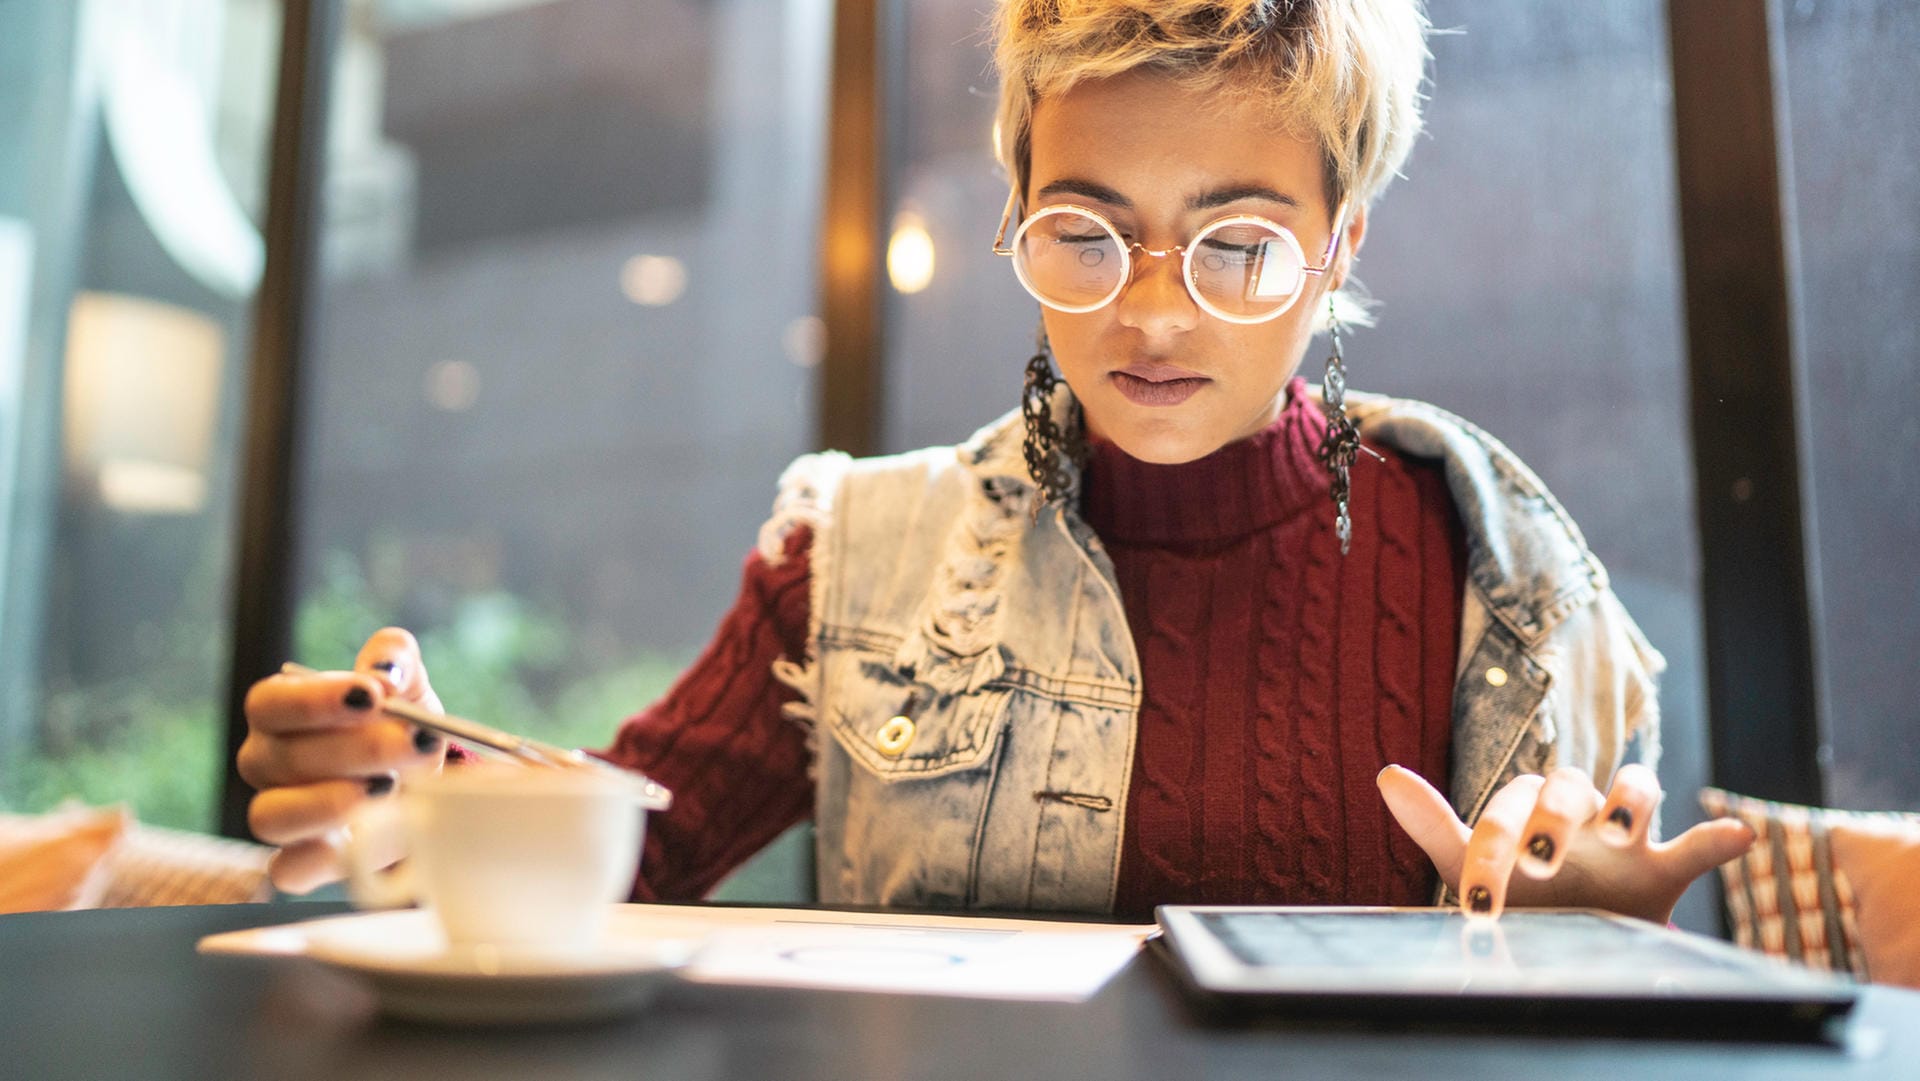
{"points": [[1735, 239], [852, 233], [866, 72], [263, 587]]}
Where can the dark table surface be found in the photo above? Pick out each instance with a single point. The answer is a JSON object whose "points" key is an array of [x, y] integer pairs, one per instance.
{"points": [[122, 994]]}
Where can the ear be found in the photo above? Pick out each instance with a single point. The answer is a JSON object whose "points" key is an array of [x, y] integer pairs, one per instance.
{"points": [[1356, 234]]}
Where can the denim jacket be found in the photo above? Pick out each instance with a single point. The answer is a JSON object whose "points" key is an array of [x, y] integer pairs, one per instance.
{"points": [[972, 687]]}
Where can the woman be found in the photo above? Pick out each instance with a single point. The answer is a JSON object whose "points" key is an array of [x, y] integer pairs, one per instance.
{"points": [[1174, 631]]}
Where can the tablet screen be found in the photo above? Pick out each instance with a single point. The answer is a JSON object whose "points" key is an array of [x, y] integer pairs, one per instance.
{"points": [[1427, 951]]}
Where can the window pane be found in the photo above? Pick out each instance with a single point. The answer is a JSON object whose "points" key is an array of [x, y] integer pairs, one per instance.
{"points": [[564, 339], [1528, 280], [1851, 104], [956, 348], [132, 179], [1525, 271]]}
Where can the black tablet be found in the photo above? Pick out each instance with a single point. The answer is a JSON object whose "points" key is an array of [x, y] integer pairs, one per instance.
{"points": [[1585, 969]]}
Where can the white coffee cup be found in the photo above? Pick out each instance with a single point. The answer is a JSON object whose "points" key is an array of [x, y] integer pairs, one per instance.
{"points": [[510, 858]]}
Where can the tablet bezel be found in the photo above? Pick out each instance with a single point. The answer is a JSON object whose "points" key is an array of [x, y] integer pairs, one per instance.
{"points": [[1736, 975]]}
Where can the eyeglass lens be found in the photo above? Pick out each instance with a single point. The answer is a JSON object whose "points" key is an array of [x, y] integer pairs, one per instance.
{"points": [[1238, 269]]}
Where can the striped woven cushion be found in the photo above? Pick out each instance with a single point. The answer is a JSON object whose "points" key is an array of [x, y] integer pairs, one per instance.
{"points": [[1834, 890], [57, 861], [157, 866], [84, 857], [1785, 897]]}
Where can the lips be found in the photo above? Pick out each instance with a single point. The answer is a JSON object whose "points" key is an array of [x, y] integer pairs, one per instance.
{"points": [[1153, 371], [1155, 384]]}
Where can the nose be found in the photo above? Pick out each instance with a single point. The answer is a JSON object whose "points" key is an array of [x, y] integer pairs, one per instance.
{"points": [[1156, 302]]}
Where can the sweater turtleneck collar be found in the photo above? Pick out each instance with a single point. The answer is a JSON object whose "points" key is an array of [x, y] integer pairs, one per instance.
{"points": [[1245, 486]]}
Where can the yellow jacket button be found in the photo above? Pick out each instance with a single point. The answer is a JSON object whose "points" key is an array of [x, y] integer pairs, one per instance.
{"points": [[893, 737]]}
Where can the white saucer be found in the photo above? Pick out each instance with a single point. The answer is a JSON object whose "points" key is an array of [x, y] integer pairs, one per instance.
{"points": [[403, 956]]}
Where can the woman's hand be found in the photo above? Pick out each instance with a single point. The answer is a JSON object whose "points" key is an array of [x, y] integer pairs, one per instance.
{"points": [[1572, 846], [318, 745]]}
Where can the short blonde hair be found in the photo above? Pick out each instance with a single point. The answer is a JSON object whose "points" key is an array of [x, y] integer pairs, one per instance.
{"points": [[1344, 74]]}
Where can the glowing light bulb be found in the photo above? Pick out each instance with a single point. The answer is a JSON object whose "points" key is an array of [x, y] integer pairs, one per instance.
{"points": [[910, 254]]}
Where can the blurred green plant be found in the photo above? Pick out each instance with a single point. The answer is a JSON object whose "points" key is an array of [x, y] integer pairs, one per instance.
{"points": [[147, 737], [491, 656], [162, 759], [155, 741]]}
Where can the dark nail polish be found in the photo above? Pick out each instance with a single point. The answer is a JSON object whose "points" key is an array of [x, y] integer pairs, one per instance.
{"points": [[1480, 900], [382, 666], [379, 784], [1623, 818], [358, 698], [424, 741], [1541, 848]]}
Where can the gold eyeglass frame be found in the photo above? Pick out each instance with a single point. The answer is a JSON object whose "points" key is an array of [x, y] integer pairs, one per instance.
{"points": [[1002, 247]]}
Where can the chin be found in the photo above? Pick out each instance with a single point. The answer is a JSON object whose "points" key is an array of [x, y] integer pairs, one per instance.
{"points": [[1159, 445]]}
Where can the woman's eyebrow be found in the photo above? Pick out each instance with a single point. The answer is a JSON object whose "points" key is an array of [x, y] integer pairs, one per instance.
{"points": [[1234, 193], [1086, 189], [1218, 197]]}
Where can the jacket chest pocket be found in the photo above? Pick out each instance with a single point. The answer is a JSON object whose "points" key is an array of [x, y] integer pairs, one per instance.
{"points": [[902, 730]]}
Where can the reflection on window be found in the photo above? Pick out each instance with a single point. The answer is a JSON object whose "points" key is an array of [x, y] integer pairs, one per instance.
{"points": [[557, 371], [132, 142]]}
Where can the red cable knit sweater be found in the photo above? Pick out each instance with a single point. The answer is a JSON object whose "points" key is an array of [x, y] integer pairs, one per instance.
{"points": [[1279, 677]]}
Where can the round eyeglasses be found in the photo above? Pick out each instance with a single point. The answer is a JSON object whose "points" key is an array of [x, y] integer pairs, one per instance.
{"points": [[1241, 268]]}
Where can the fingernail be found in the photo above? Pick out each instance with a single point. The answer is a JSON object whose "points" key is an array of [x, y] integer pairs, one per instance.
{"points": [[358, 698], [379, 784], [1480, 900], [394, 670], [424, 741], [1541, 848], [1623, 818]]}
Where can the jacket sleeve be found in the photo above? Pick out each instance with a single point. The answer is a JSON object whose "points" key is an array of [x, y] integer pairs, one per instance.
{"points": [[737, 768], [1605, 694]]}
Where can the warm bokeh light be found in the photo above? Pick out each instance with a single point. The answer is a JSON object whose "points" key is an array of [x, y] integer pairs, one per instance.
{"points": [[453, 386], [805, 341], [142, 393], [151, 487], [910, 254], [653, 280]]}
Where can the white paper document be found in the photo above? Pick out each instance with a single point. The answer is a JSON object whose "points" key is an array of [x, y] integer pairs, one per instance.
{"points": [[879, 952], [903, 954]]}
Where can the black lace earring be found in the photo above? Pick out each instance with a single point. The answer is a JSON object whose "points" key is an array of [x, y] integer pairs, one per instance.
{"points": [[1341, 444], [1053, 453]]}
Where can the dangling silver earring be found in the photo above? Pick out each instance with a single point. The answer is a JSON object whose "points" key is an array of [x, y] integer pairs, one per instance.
{"points": [[1052, 452], [1341, 444]]}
